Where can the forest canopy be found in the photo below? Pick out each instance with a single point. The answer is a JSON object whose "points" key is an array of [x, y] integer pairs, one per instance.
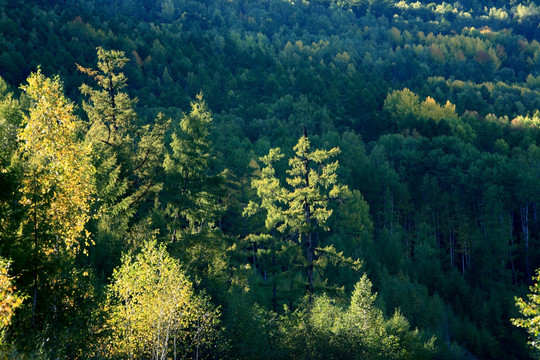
{"points": [[269, 179]]}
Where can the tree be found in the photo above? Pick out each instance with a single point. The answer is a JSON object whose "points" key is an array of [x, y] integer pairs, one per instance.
{"points": [[10, 299], [154, 311], [192, 193], [353, 236], [126, 154], [530, 309], [11, 118], [328, 330], [301, 207], [57, 184], [380, 7], [167, 10], [403, 107], [115, 132]]}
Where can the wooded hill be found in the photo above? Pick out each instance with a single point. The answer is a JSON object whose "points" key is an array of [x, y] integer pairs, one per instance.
{"points": [[268, 179]]}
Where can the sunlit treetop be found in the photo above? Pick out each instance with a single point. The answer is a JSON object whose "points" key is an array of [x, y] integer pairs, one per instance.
{"points": [[58, 183]]}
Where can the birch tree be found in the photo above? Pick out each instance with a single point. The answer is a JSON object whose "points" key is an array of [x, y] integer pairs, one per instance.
{"points": [[154, 309]]}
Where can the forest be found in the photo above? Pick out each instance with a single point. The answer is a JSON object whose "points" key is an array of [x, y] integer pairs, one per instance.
{"points": [[269, 179]]}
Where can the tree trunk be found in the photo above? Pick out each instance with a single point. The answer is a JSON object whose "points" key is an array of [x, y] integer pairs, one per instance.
{"points": [[514, 276], [274, 285], [525, 231], [254, 250], [310, 250], [451, 240], [34, 302], [310, 256]]}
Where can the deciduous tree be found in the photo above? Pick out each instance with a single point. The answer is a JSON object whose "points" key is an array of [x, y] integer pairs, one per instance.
{"points": [[530, 309], [126, 153], [154, 311], [10, 299], [57, 184]]}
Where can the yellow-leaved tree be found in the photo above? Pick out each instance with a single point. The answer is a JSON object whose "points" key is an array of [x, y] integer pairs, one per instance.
{"points": [[10, 299], [57, 182], [155, 312], [530, 311]]}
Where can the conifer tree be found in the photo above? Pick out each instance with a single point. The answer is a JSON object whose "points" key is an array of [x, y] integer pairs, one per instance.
{"points": [[192, 192], [11, 118], [300, 208], [126, 154]]}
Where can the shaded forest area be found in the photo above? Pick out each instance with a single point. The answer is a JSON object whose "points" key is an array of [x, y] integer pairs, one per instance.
{"points": [[268, 179]]}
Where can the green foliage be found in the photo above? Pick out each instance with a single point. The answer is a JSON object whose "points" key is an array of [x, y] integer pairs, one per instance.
{"points": [[130, 153], [446, 224], [10, 119], [301, 207], [127, 155], [309, 189], [255, 331], [327, 330], [428, 117], [192, 194], [192, 197]]}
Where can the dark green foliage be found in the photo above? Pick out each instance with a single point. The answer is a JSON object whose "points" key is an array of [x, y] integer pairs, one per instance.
{"points": [[433, 105], [126, 154]]}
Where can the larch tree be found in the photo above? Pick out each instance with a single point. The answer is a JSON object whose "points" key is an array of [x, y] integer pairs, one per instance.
{"points": [[530, 309], [10, 299], [126, 153], [10, 120], [193, 197], [300, 208], [11, 117], [192, 192]]}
